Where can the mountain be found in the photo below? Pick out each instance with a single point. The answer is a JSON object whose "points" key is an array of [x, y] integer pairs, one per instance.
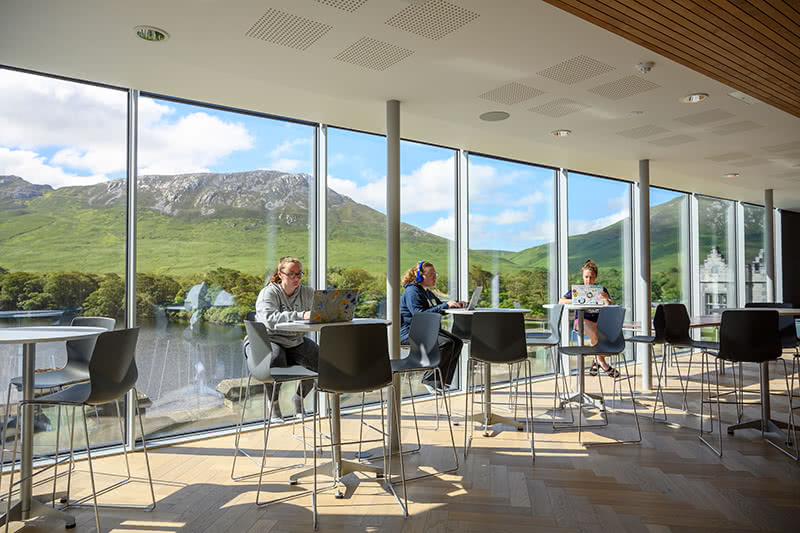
{"points": [[190, 223]]}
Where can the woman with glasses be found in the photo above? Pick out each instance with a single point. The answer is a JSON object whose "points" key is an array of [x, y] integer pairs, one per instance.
{"points": [[418, 298], [285, 300]]}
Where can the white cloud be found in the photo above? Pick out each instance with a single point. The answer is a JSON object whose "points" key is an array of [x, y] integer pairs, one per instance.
{"points": [[509, 216], [33, 168], [543, 231], [444, 227], [280, 160], [619, 203], [538, 197], [580, 226]]}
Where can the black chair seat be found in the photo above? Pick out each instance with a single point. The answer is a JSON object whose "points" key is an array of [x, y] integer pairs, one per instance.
{"points": [[585, 350], [55, 378], [645, 339], [544, 338], [408, 364]]}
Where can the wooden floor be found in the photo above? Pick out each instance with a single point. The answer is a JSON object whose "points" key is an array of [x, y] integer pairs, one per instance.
{"points": [[669, 482]]}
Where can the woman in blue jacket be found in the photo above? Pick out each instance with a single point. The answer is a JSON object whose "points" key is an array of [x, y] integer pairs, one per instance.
{"points": [[417, 298]]}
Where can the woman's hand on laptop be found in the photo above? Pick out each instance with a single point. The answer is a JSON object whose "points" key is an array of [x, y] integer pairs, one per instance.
{"points": [[453, 304], [306, 315]]}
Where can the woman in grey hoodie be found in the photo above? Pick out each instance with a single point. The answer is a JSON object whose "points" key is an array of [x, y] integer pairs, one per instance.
{"points": [[285, 300]]}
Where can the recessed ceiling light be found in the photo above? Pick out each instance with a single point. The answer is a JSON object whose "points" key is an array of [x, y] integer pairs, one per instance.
{"points": [[694, 98], [560, 133], [152, 34], [732, 175], [494, 116]]}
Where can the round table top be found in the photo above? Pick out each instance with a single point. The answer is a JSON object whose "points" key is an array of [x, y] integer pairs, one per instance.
{"points": [[580, 307], [305, 326], [34, 334], [462, 311]]}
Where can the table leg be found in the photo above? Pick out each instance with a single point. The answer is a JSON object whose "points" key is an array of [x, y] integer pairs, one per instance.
{"points": [[27, 507], [488, 418], [766, 424], [337, 468]]}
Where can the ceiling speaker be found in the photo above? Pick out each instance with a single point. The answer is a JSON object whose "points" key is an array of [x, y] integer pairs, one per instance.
{"points": [[512, 93], [704, 117], [373, 54], [643, 131], [576, 69], [285, 29], [433, 19], [559, 108], [625, 87]]}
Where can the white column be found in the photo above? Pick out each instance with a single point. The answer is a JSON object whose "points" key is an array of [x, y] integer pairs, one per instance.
{"points": [[769, 234], [393, 244], [696, 306], [642, 307], [321, 207], [562, 244], [130, 248], [736, 252]]}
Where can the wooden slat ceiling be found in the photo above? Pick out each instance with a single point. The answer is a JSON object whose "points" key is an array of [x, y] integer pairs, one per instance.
{"points": [[750, 45]]}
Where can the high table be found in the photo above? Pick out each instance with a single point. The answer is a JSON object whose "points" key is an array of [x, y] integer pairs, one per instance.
{"points": [[766, 423], [27, 507], [338, 467], [489, 418]]}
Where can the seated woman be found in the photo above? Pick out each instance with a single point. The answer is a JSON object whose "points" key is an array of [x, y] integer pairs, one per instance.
{"points": [[283, 299], [417, 298], [589, 272]]}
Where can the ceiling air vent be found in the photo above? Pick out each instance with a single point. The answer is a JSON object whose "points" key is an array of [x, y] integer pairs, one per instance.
{"points": [[559, 108], [625, 87], [512, 93], [285, 29], [345, 5], [373, 54], [576, 69], [433, 19], [673, 141], [736, 127], [705, 117], [643, 131], [730, 156], [786, 147]]}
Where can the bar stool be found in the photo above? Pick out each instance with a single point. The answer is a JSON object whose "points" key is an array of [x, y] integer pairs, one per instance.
{"points": [[659, 324], [259, 354], [498, 339], [610, 342]]}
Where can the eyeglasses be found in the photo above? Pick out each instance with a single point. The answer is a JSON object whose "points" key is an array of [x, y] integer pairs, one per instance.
{"points": [[293, 275], [433, 274]]}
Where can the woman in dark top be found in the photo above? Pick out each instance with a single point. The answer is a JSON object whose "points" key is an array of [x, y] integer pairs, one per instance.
{"points": [[417, 298], [589, 272]]}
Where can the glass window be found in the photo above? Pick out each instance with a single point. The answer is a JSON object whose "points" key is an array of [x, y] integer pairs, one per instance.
{"points": [[511, 240], [669, 245], [221, 197], [63, 187], [717, 261], [755, 277]]}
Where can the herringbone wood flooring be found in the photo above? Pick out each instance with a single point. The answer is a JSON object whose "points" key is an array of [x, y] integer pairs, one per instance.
{"points": [[669, 482]]}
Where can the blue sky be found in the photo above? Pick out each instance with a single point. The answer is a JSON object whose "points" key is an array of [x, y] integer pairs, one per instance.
{"points": [[45, 139]]}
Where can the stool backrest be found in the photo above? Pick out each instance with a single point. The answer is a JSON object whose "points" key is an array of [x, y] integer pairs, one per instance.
{"points": [[660, 325], [112, 369], [676, 328], [785, 323], [259, 351], [462, 326], [354, 358], [79, 351], [498, 337], [423, 337], [554, 320], [749, 336], [609, 330]]}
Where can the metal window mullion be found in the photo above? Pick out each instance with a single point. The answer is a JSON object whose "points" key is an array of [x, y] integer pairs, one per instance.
{"points": [[778, 232], [462, 243], [694, 256], [320, 236], [739, 278], [561, 205], [130, 246]]}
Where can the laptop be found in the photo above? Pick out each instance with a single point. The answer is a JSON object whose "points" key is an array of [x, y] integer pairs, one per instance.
{"points": [[476, 296], [332, 305], [587, 294]]}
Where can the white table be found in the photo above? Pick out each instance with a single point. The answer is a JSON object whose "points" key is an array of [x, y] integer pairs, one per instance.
{"points": [[27, 507], [338, 467], [581, 396], [488, 418]]}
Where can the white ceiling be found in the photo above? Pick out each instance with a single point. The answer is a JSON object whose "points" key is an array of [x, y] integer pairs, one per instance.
{"points": [[210, 58]]}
